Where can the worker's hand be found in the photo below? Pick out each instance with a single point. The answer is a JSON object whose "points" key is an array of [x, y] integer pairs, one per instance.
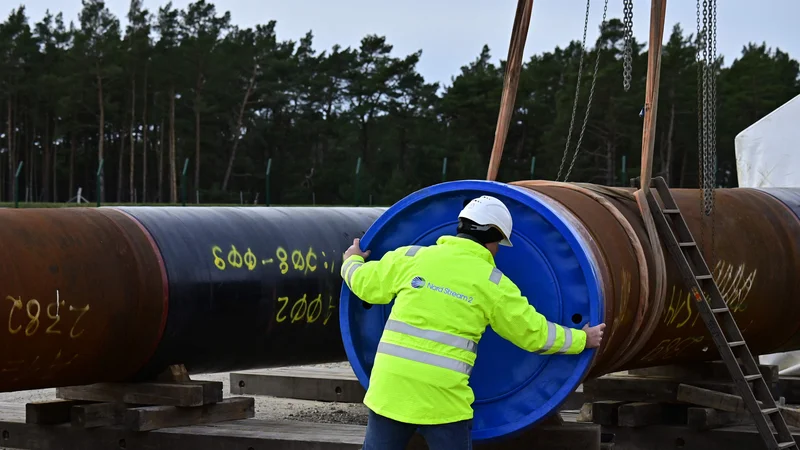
{"points": [[594, 335], [355, 249]]}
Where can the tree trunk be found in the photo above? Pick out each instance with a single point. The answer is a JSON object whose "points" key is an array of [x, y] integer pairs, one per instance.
{"points": [[144, 136], [73, 148], [120, 178], [196, 149], [611, 159], [29, 136], [173, 179], [684, 159], [47, 163], [161, 162], [237, 130], [55, 165], [12, 160], [670, 136], [133, 141], [101, 134]]}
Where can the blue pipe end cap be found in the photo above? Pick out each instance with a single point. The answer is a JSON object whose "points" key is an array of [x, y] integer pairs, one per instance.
{"points": [[550, 263]]}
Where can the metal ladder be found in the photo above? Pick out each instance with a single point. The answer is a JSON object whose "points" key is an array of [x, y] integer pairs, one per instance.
{"points": [[718, 318]]}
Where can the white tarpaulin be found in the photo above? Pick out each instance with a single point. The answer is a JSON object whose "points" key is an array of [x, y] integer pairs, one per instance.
{"points": [[768, 151], [768, 155]]}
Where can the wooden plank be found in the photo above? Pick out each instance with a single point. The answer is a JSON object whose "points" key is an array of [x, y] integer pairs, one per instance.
{"points": [[568, 436], [710, 370], [606, 412], [156, 417], [171, 394], [639, 414], [272, 435], [212, 390], [299, 385], [49, 412], [642, 389], [671, 437], [789, 388], [702, 419], [728, 402], [98, 415]]}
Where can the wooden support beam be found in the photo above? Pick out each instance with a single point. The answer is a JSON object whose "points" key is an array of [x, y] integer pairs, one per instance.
{"points": [[171, 394], [98, 415], [49, 412], [702, 419], [300, 383], [606, 412], [728, 402], [642, 389], [566, 436], [702, 371], [156, 417]]}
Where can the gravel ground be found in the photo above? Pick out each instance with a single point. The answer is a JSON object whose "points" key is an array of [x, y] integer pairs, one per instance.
{"points": [[273, 408], [267, 408]]}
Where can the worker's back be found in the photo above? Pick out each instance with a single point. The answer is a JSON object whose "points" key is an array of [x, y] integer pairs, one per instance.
{"points": [[445, 297]]}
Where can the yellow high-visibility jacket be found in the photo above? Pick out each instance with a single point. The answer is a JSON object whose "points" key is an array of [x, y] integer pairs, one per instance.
{"points": [[445, 296]]}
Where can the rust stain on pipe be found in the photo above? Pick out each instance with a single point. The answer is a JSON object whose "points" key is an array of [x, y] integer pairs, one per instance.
{"points": [[83, 295], [754, 234]]}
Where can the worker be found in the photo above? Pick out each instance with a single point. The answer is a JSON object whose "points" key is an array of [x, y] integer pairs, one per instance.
{"points": [[445, 295]]}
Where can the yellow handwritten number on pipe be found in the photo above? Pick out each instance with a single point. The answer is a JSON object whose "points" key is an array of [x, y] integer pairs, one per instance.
{"points": [[314, 309], [299, 313], [53, 316], [17, 304], [280, 317], [309, 255], [234, 257], [33, 324], [83, 311], [250, 259], [219, 262], [282, 256]]}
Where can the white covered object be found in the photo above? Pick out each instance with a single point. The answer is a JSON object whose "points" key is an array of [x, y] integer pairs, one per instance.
{"points": [[768, 155], [768, 151]]}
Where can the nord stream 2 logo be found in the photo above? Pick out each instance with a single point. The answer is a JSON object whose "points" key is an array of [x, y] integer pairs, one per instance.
{"points": [[419, 282]]}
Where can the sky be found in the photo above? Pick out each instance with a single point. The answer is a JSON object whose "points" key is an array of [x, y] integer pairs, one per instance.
{"points": [[451, 33]]}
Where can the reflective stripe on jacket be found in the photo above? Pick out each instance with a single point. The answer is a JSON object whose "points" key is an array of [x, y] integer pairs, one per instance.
{"points": [[445, 296]]}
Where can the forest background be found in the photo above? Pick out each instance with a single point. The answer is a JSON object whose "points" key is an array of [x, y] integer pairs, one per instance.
{"points": [[179, 90]]}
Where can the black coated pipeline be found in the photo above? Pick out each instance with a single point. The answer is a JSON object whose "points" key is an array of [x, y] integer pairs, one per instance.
{"points": [[251, 287]]}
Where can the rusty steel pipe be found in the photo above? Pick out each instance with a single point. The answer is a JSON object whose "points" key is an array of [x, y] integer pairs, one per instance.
{"points": [[581, 255], [119, 294], [755, 259], [84, 297]]}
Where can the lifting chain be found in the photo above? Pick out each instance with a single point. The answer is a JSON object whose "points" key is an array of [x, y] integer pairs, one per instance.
{"points": [[707, 109], [627, 52], [577, 90], [577, 94]]}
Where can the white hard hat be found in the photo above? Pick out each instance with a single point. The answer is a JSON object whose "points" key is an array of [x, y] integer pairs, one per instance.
{"points": [[489, 211]]}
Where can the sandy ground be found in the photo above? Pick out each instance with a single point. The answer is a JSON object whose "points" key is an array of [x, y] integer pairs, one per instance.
{"points": [[267, 408]]}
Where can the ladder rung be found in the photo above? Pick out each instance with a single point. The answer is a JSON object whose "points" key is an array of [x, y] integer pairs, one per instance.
{"points": [[703, 277], [752, 377], [719, 310], [787, 444], [686, 244], [672, 211], [735, 344]]}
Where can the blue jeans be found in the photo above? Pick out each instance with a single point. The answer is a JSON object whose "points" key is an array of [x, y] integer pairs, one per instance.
{"points": [[384, 433]]}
